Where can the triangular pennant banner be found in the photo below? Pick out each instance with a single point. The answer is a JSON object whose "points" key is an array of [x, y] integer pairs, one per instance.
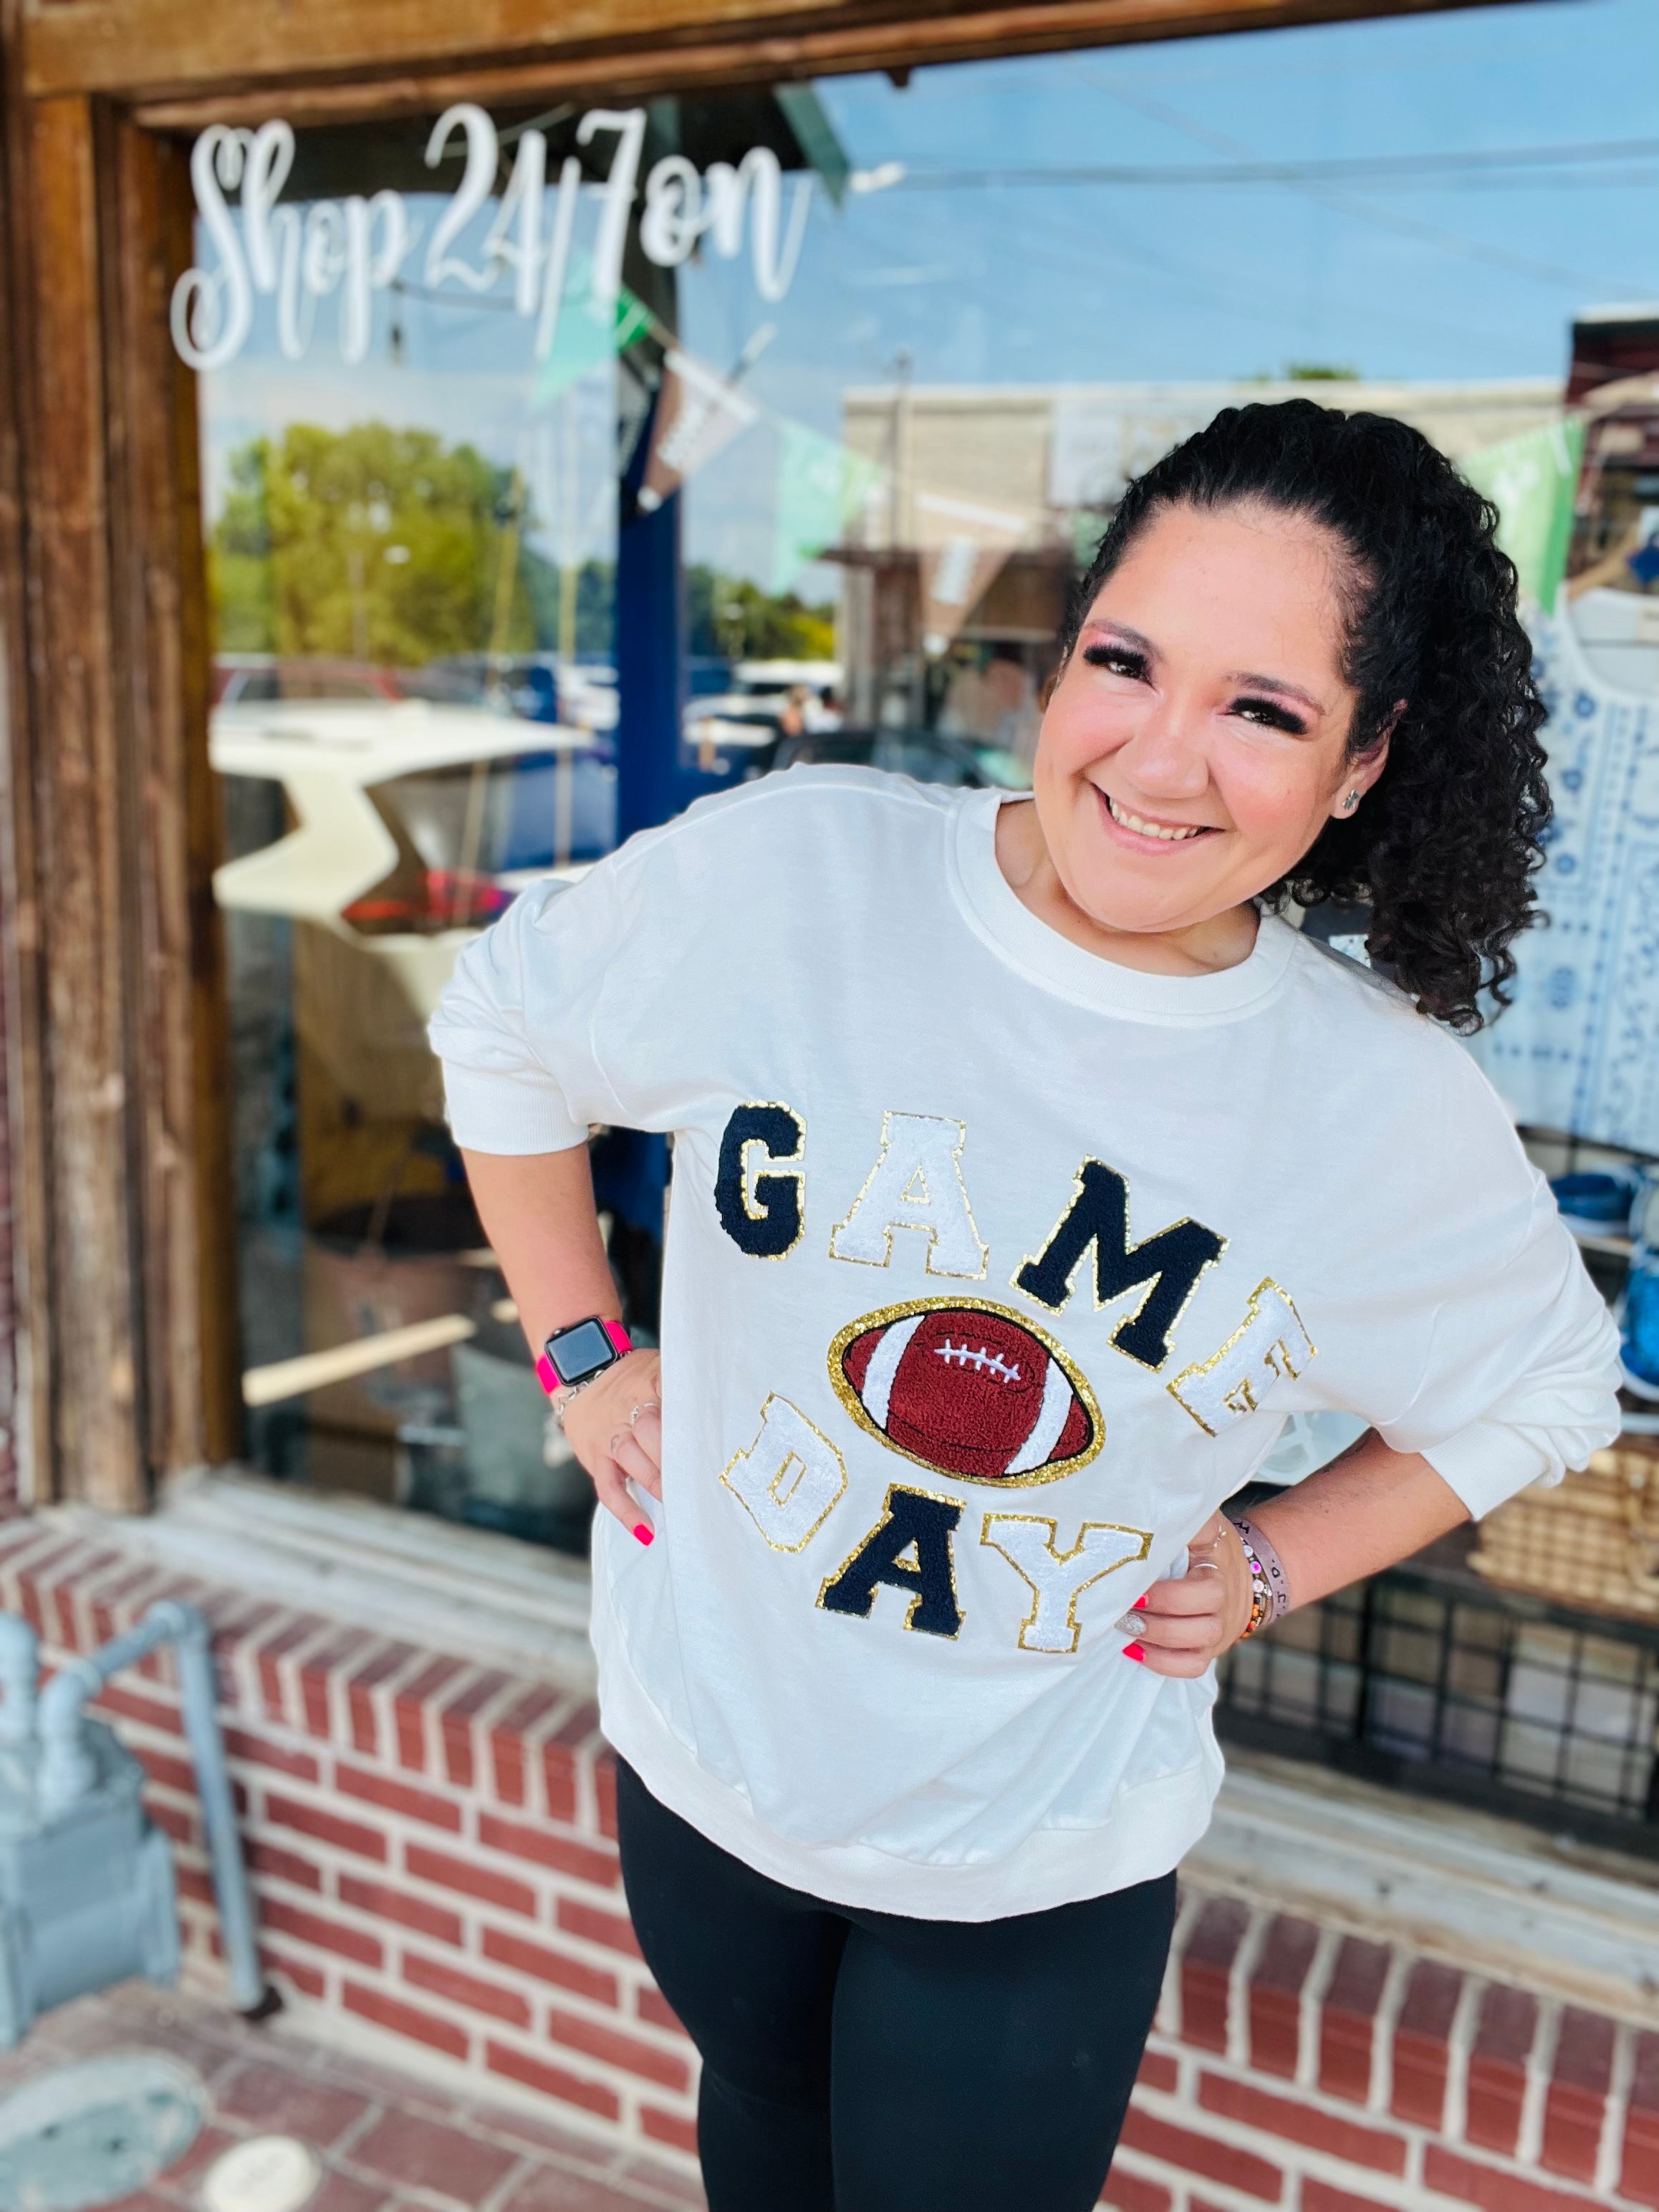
{"points": [[588, 334], [699, 412], [822, 486], [1531, 480]]}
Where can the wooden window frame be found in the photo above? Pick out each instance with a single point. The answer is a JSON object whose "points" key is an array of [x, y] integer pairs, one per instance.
{"points": [[117, 1066]]}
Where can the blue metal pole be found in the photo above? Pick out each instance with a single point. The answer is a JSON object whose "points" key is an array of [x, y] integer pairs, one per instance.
{"points": [[650, 648]]}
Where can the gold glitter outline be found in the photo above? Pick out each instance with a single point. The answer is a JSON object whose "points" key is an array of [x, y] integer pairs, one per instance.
{"points": [[883, 1315], [913, 1490], [1133, 1244], [1252, 1312], [778, 1166], [939, 1274], [776, 1397], [1042, 1521]]}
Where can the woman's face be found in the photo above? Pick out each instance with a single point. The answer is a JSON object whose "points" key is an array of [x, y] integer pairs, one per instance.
{"points": [[1193, 747]]}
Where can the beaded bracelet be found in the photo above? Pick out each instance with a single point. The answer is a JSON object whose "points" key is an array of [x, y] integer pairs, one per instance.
{"points": [[1270, 1589]]}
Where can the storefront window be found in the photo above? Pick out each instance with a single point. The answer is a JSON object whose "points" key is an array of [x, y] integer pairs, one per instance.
{"points": [[562, 466]]}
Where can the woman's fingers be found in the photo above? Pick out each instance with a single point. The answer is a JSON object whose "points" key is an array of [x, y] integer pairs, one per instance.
{"points": [[615, 1428], [1183, 1626], [1179, 1628], [595, 1413], [1195, 1594], [646, 1426], [611, 1485], [1186, 1666], [1200, 1632], [627, 1450]]}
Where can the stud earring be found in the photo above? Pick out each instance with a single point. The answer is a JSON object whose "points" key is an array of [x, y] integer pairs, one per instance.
{"points": [[1350, 802]]}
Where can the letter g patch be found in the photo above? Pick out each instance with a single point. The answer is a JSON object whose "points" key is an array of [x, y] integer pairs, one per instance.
{"points": [[762, 1213]]}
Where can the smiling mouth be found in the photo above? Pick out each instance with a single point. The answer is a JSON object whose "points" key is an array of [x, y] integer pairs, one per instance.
{"points": [[1168, 833]]}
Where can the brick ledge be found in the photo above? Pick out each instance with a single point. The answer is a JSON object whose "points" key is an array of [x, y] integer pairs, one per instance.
{"points": [[1478, 1891], [486, 1598], [434, 1850], [1466, 1887]]}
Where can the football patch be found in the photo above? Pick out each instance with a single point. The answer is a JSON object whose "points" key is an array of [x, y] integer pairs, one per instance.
{"points": [[967, 1389]]}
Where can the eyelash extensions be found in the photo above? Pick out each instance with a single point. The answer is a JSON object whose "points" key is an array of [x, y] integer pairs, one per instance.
{"points": [[1124, 660], [1275, 716], [1127, 661]]}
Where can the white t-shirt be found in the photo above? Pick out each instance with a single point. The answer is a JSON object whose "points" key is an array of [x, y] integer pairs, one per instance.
{"points": [[993, 1268]]}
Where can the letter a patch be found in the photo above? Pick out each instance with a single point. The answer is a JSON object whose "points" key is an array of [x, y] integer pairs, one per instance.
{"points": [[916, 1184], [918, 1525]]}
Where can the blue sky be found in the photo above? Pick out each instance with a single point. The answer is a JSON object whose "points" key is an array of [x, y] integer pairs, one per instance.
{"points": [[1418, 276]]}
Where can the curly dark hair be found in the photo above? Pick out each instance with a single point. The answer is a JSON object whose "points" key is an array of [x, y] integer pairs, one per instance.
{"points": [[1444, 848]]}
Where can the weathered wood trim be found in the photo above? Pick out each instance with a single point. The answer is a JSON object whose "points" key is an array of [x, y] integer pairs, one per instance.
{"points": [[80, 856], [25, 1103], [115, 45], [178, 1057], [167, 56], [762, 56]]}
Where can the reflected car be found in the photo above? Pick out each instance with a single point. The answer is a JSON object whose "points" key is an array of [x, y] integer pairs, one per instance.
{"points": [[541, 687], [929, 755], [257, 678]]}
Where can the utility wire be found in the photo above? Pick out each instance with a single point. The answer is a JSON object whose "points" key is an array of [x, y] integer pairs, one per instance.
{"points": [[1449, 241], [1376, 167]]}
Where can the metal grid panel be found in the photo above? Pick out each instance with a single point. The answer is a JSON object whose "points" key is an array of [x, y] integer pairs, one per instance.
{"points": [[1431, 1680]]}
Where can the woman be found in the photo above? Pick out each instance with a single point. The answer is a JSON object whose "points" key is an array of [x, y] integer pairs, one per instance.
{"points": [[1027, 1172]]}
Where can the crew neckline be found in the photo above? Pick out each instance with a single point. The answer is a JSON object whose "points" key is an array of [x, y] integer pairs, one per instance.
{"points": [[998, 915]]}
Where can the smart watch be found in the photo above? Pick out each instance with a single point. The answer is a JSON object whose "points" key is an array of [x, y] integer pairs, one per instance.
{"points": [[576, 1355]]}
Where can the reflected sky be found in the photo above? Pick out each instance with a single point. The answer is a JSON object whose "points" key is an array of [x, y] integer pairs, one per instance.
{"points": [[1426, 197]]}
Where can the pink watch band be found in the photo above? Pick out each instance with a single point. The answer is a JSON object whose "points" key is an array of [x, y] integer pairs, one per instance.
{"points": [[621, 1344]]}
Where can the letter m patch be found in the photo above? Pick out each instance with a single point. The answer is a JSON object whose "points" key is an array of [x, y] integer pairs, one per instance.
{"points": [[1167, 1265]]}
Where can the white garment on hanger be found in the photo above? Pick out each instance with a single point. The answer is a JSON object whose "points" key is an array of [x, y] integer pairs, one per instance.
{"points": [[1578, 1049]]}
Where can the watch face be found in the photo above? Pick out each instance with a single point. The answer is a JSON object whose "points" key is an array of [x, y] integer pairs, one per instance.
{"points": [[580, 1351]]}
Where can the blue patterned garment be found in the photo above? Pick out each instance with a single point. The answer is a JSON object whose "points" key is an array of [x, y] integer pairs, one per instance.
{"points": [[1578, 1049]]}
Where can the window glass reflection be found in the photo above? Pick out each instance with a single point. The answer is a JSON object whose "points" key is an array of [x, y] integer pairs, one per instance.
{"points": [[580, 505]]}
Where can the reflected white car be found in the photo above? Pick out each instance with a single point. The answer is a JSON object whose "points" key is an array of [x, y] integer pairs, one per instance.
{"points": [[329, 754]]}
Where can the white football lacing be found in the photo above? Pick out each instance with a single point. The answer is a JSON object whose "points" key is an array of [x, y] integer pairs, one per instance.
{"points": [[980, 1357]]}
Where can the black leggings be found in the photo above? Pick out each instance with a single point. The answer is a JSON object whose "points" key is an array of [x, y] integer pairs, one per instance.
{"points": [[859, 2062]]}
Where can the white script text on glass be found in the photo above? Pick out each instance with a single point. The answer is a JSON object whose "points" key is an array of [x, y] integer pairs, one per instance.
{"points": [[358, 245]]}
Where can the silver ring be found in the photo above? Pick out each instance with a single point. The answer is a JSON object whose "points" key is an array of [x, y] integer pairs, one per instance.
{"points": [[617, 1436], [645, 1406]]}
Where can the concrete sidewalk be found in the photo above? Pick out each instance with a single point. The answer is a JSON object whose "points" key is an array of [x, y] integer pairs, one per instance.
{"points": [[388, 2141]]}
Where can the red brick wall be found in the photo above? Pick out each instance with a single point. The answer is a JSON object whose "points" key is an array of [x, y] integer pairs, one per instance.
{"points": [[433, 1853], [1301, 2066]]}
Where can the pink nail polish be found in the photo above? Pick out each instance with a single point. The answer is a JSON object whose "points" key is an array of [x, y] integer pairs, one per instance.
{"points": [[1134, 1651], [1138, 1604], [646, 1535]]}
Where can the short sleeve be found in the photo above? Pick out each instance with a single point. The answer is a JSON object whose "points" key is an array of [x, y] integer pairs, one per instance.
{"points": [[519, 1078], [1521, 1372]]}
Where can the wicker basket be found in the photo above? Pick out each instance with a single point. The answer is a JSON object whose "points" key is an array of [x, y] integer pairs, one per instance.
{"points": [[1593, 1540]]}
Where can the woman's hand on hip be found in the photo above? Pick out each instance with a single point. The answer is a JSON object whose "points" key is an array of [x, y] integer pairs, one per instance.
{"points": [[1183, 1626], [615, 1428]]}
